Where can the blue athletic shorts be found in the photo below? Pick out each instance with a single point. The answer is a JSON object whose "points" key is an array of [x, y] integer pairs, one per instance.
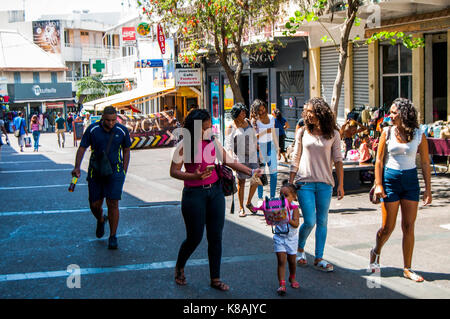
{"points": [[400, 184], [110, 188]]}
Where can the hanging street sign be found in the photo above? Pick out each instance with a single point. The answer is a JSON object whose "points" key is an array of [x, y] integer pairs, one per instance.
{"points": [[161, 40]]}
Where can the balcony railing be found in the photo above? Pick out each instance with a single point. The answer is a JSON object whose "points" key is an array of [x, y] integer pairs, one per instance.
{"points": [[84, 53]]}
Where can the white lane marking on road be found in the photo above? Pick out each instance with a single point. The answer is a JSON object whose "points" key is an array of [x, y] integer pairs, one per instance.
{"points": [[447, 226], [37, 170], [26, 162], [148, 266], [81, 210], [32, 187], [155, 185]]}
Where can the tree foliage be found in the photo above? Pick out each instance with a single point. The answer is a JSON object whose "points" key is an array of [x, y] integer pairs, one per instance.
{"points": [[217, 25], [315, 10], [94, 88]]}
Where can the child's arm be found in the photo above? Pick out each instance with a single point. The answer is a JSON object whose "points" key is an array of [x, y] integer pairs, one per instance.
{"points": [[295, 221]]}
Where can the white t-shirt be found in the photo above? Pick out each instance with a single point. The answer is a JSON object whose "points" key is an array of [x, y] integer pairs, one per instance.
{"points": [[268, 137], [402, 156]]}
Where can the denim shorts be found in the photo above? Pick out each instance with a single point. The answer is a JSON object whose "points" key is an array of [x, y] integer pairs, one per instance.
{"points": [[400, 184]]}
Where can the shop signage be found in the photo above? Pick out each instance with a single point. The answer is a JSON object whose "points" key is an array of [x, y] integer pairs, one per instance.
{"points": [[161, 40], [128, 36], [41, 91], [149, 63], [188, 77], [97, 66]]}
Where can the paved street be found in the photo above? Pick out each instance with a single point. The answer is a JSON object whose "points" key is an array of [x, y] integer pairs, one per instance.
{"points": [[44, 229]]}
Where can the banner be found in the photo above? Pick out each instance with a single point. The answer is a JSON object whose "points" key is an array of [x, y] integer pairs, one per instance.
{"points": [[128, 36], [47, 35], [161, 40], [187, 76]]}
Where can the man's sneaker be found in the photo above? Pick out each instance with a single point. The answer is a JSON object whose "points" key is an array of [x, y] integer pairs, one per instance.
{"points": [[101, 227], [112, 242]]}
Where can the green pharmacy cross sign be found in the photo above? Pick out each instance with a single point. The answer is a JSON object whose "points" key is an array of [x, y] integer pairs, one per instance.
{"points": [[98, 66]]}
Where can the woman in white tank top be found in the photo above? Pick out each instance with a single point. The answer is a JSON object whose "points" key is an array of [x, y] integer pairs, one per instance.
{"points": [[397, 182]]}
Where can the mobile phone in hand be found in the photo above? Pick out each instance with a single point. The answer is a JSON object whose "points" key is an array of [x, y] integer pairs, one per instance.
{"points": [[210, 168]]}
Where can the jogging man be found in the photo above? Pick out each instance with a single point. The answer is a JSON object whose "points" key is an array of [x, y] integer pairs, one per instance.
{"points": [[98, 136]]}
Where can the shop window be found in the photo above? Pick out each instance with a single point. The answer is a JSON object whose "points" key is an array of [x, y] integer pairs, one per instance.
{"points": [[17, 79], [54, 77], [36, 78], [291, 82], [396, 73]]}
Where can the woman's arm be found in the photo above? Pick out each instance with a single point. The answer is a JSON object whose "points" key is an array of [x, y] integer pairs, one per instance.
{"points": [[426, 171], [296, 154], [379, 163], [340, 179], [230, 161]]}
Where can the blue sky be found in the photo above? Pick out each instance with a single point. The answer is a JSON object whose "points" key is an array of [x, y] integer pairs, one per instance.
{"points": [[35, 8]]}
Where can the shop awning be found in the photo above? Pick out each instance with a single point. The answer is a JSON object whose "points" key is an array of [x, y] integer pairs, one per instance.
{"points": [[127, 98]]}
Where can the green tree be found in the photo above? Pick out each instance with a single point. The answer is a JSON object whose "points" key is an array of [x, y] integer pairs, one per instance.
{"points": [[94, 88], [316, 10], [217, 25]]}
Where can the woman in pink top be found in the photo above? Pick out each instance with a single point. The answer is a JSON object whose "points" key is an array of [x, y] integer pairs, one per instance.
{"points": [[203, 201], [35, 131]]}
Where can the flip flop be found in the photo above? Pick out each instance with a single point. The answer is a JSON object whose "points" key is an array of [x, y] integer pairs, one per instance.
{"points": [[251, 208], [322, 266], [219, 285], [180, 279], [242, 213], [302, 258]]}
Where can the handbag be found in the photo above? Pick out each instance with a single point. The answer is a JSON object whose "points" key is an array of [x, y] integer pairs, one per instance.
{"points": [[100, 164], [17, 133], [27, 141], [227, 179]]}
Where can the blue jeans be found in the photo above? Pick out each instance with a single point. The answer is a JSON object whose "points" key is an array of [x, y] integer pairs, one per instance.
{"points": [[269, 155], [314, 199], [36, 135]]}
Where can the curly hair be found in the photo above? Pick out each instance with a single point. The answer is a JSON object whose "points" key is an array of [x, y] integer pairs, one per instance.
{"points": [[326, 117], [254, 108], [408, 117]]}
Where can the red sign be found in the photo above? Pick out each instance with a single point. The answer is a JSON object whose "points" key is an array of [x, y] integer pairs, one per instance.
{"points": [[128, 34], [161, 40]]}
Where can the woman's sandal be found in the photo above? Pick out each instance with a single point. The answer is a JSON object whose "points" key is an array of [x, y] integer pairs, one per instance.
{"points": [[294, 283], [180, 279], [323, 265], [302, 262], [375, 266], [281, 291], [242, 213], [219, 285], [412, 275], [251, 208]]}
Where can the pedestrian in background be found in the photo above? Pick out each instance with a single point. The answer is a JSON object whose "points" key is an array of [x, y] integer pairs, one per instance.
{"points": [[203, 200], [3, 131], [61, 127], [69, 122], [241, 141], [264, 124], [317, 147], [98, 135], [281, 124], [20, 129], [35, 131], [397, 183]]}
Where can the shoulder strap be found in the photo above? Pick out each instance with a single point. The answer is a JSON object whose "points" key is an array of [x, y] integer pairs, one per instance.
{"points": [[111, 136]]}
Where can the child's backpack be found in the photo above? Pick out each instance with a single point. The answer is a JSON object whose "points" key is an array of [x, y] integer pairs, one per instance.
{"points": [[276, 211]]}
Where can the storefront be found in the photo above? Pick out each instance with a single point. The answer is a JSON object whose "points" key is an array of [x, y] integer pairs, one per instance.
{"points": [[282, 83], [42, 98]]}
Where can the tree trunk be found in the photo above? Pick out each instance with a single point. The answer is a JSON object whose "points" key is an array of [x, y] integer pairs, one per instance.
{"points": [[343, 54]]}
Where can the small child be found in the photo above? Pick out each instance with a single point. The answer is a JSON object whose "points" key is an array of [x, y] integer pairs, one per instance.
{"points": [[285, 245], [365, 156]]}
